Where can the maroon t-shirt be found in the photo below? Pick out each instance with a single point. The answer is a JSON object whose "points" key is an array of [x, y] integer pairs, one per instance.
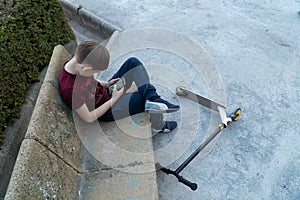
{"points": [[77, 90]]}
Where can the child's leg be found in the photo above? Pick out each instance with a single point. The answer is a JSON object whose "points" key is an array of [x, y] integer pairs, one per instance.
{"points": [[127, 66], [134, 70], [130, 104]]}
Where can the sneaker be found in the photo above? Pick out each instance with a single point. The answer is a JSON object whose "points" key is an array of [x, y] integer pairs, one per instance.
{"points": [[160, 106], [168, 127]]}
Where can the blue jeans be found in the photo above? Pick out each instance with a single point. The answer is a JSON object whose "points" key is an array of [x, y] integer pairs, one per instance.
{"points": [[133, 103]]}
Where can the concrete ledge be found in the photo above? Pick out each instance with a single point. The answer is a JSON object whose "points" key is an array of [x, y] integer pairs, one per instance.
{"points": [[125, 146], [40, 174], [119, 185], [52, 124], [88, 19]]}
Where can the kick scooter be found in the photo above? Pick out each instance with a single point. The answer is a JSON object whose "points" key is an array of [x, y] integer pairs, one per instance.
{"points": [[225, 121]]}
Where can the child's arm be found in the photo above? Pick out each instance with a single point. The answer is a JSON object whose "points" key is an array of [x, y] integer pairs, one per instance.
{"points": [[107, 84], [91, 116]]}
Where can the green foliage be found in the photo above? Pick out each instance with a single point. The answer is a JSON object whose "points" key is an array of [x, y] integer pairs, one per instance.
{"points": [[29, 30]]}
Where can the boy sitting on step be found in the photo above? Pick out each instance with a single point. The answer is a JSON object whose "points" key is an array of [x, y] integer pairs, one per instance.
{"points": [[92, 99]]}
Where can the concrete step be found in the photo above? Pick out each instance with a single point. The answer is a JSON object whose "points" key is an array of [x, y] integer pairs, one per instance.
{"points": [[125, 148]]}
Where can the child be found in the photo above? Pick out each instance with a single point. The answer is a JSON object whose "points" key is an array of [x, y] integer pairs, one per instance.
{"points": [[90, 98]]}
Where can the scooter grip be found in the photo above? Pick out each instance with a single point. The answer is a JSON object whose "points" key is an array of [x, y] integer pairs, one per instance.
{"points": [[191, 185]]}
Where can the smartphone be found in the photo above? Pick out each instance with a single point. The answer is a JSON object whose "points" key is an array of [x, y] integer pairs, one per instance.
{"points": [[120, 84]]}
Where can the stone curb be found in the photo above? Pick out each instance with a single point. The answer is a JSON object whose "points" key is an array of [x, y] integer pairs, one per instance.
{"points": [[88, 19]]}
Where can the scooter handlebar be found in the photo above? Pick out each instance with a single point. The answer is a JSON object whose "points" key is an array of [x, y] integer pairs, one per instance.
{"points": [[186, 182]]}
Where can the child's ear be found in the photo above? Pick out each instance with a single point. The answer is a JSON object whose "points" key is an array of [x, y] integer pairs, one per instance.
{"points": [[85, 67]]}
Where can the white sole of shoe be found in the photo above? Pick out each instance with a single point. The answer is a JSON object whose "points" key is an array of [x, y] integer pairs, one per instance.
{"points": [[161, 111]]}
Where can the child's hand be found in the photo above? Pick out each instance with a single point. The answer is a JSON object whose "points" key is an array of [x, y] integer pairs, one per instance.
{"points": [[117, 93], [107, 84]]}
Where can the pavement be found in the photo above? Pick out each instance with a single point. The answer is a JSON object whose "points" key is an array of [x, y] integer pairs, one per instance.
{"points": [[253, 51]]}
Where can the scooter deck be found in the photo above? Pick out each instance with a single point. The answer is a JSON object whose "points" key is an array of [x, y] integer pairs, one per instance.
{"points": [[181, 91]]}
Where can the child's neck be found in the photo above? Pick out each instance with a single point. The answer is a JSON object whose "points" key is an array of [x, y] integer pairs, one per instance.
{"points": [[71, 66]]}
